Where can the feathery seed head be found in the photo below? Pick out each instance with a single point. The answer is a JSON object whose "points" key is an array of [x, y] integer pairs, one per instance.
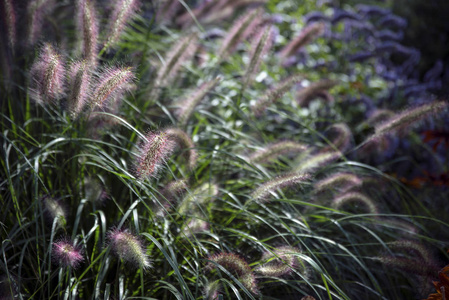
{"points": [[263, 192], [274, 94], [195, 226], [273, 151], [88, 29], [316, 161], [47, 76], [111, 84], [340, 181], [282, 262], [9, 17], [66, 253], [236, 265], [354, 197], [187, 106], [200, 196], [128, 247], [54, 210], [260, 47], [123, 11], [79, 83], [307, 94], [307, 35], [153, 153], [37, 10], [402, 121], [341, 137], [212, 291], [183, 141], [241, 29]]}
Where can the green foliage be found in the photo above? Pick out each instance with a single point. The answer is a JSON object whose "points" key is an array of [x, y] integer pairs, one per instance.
{"points": [[195, 231]]}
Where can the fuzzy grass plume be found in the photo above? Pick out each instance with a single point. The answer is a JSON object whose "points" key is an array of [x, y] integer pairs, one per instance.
{"points": [[9, 17], [123, 11], [80, 78], [187, 106], [356, 198], [274, 94], [47, 76], [281, 262], [260, 47], [111, 83], [128, 247], [273, 151], [263, 192], [185, 144], [341, 181], [235, 265], [88, 28], [154, 151], [67, 254], [306, 94]]}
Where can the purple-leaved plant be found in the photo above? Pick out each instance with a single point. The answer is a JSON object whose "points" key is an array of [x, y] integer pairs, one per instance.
{"points": [[128, 247], [67, 254], [47, 76]]}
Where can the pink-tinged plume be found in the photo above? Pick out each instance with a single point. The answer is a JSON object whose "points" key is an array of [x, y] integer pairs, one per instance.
{"points": [[129, 247], [263, 192], [283, 261], [235, 265], [66, 254], [123, 11], [47, 76], [154, 151], [37, 10], [87, 24], [9, 17], [307, 35], [112, 83], [79, 83]]}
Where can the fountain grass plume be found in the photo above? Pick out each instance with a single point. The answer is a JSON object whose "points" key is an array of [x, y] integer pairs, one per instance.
{"points": [[47, 76], [9, 17], [404, 120], [184, 143], [340, 181], [313, 162], [170, 193], [306, 94], [410, 256], [307, 35], [87, 26], [111, 83], [340, 137], [195, 226], [80, 78], [273, 151], [260, 47], [54, 209], [36, 12], [67, 254], [235, 265], [241, 29], [181, 52], [274, 94], [195, 201], [154, 151], [128, 247], [281, 262], [187, 106], [357, 198], [123, 11], [263, 192]]}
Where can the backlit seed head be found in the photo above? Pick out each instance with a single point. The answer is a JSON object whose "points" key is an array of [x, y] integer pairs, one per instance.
{"points": [[154, 151], [281, 262], [47, 76], [66, 253], [112, 82], [236, 266], [54, 210], [263, 192], [355, 198], [128, 247]]}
